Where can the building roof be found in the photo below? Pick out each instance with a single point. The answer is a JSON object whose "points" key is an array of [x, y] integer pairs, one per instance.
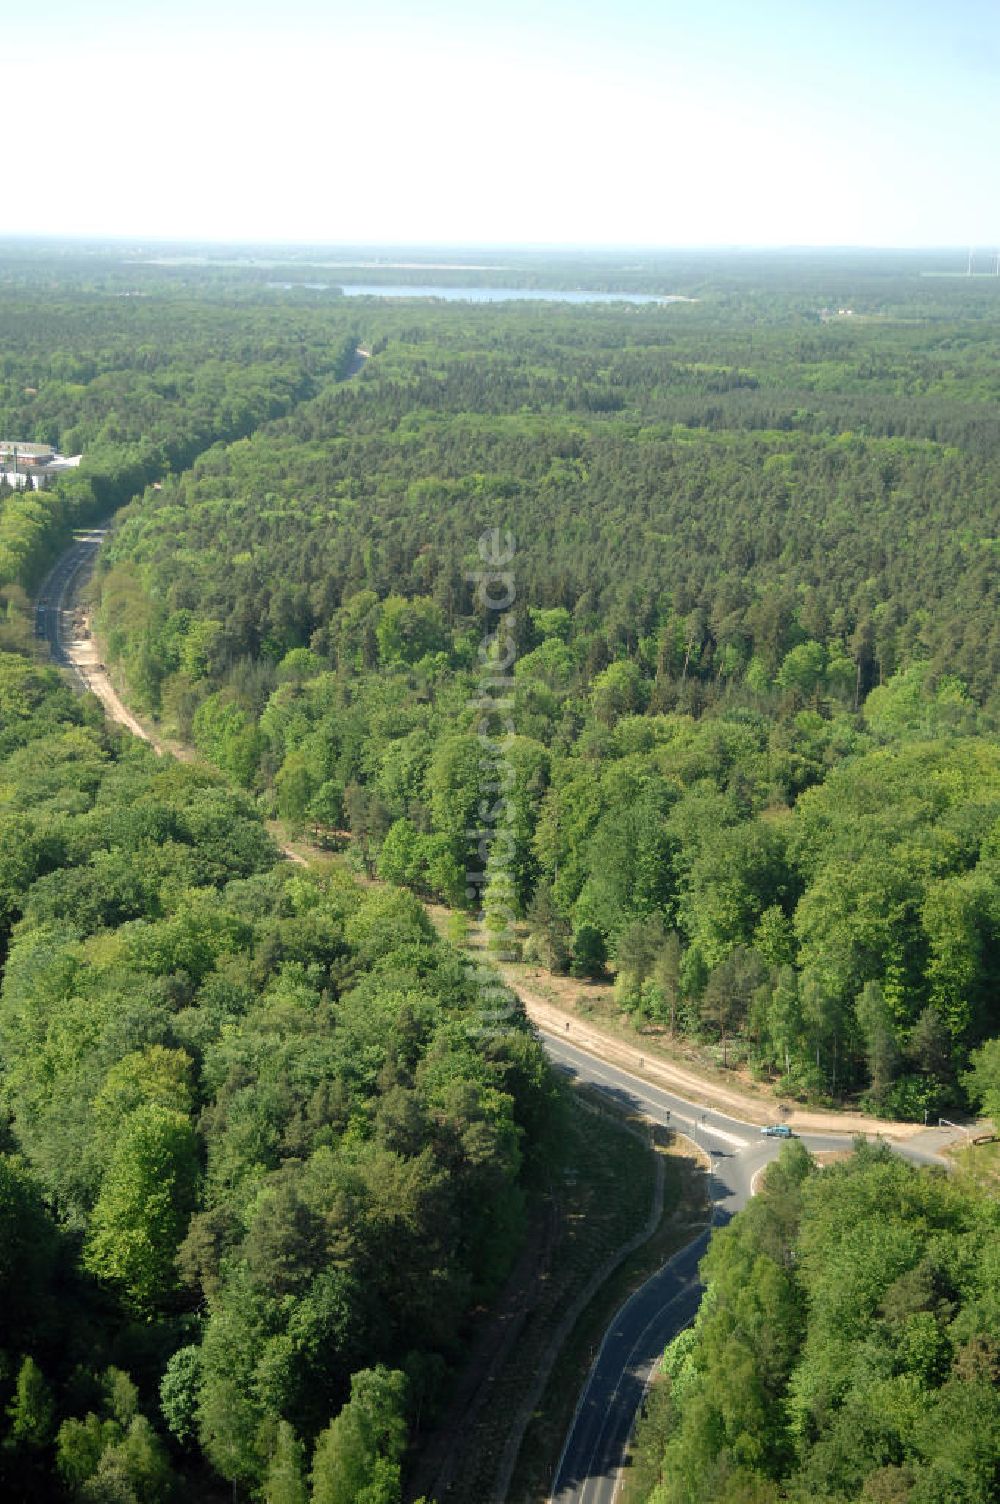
{"points": [[30, 451]]}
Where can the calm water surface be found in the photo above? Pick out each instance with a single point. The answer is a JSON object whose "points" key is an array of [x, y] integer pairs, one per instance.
{"points": [[499, 294], [483, 294]]}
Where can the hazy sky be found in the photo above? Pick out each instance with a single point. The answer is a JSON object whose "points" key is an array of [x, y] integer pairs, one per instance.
{"points": [[645, 123]]}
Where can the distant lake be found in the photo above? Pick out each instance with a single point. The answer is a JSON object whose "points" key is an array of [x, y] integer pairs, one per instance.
{"points": [[452, 294]]}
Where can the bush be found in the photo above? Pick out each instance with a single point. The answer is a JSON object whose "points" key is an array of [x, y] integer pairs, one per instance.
{"points": [[911, 1097], [589, 952], [803, 1083]]}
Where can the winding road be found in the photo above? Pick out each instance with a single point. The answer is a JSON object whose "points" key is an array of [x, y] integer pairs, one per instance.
{"points": [[589, 1469], [590, 1466]]}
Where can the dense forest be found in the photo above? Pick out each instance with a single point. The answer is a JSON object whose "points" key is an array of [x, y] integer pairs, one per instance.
{"points": [[140, 385], [753, 641], [265, 1144], [845, 1350]]}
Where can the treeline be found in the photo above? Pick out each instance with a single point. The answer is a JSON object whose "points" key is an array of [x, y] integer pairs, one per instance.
{"points": [[754, 675], [789, 286], [141, 386], [705, 553], [265, 1139], [845, 1349], [815, 892]]}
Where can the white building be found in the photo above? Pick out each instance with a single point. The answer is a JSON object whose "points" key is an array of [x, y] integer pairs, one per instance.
{"points": [[19, 461]]}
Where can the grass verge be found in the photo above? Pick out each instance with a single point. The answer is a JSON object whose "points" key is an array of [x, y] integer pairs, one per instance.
{"points": [[683, 1217], [596, 1002], [979, 1164], [600, 1190]]}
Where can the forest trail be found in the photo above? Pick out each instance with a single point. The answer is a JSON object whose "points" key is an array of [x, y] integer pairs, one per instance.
{"points": [[82, 654], [687, 1083]]}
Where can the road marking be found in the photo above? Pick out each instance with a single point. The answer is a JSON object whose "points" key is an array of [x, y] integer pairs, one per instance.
{"points": [[651, 1091], [727, 1138], [685, 1290]]}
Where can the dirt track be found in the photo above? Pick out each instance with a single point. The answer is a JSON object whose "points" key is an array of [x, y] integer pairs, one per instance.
{"points": [[688, 1084], [83, 653]]}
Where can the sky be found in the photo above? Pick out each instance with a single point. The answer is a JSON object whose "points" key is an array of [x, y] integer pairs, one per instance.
{"points": [[648, 123]]}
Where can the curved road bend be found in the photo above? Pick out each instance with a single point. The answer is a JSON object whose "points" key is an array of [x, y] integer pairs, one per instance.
{"points": [[588, 1470]]}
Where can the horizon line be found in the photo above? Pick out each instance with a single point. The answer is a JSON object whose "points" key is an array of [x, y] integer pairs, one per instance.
{"points": [[133, 238]]}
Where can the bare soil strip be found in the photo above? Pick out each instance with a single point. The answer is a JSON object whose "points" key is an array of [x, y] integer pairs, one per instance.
{"points": [[652, 1067], [655, 1069]]}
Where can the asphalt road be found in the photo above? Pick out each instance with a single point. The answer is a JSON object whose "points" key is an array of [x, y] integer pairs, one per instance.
{"points": [[52, 604], [588, 1469]]}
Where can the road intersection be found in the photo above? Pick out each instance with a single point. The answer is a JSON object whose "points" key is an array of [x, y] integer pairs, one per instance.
{"points": [[589, 1468]]}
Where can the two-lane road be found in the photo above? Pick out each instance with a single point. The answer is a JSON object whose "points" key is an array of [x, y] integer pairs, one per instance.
{"points": [[53, 604], [588, 1469]]}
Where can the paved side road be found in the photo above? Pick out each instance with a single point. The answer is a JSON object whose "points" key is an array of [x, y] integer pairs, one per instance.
{"points": [[589, 1468]]}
